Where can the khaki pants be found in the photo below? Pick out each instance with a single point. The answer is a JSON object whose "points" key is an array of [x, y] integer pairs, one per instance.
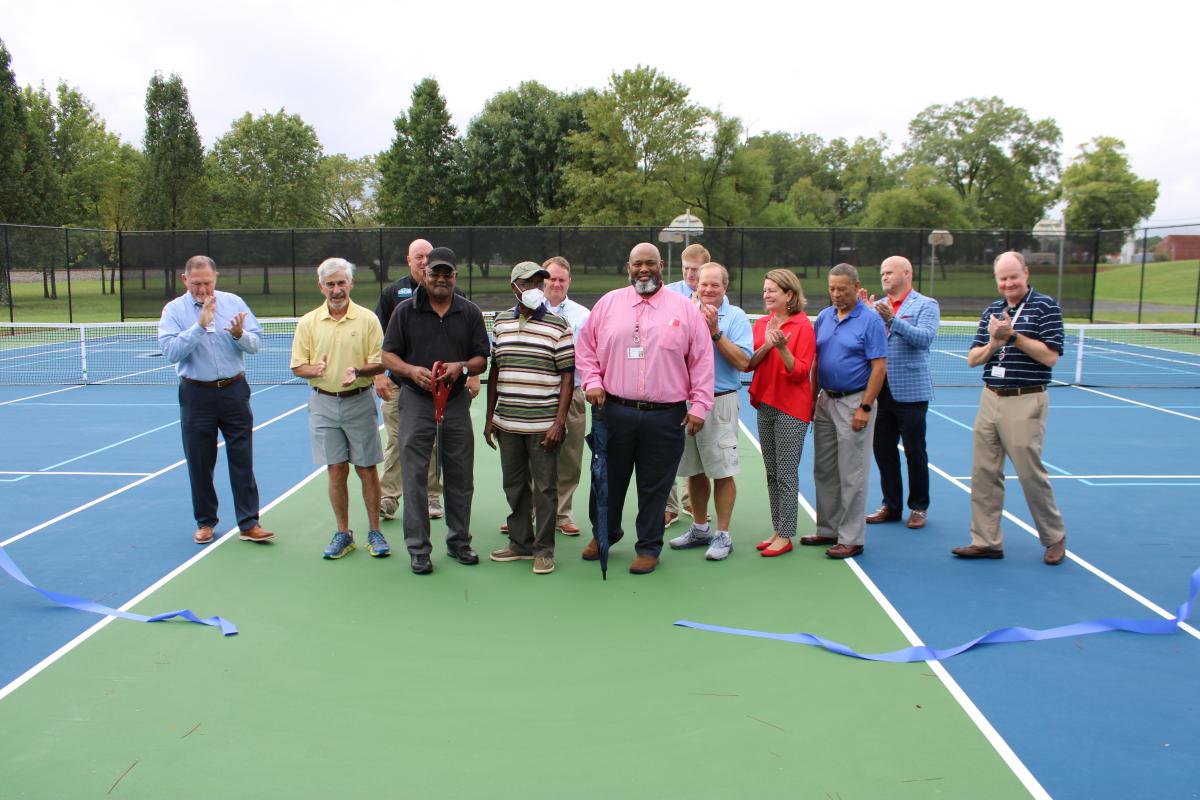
{"points": [[570, 456], [841, 468], [391, 483], [1016, 427]]}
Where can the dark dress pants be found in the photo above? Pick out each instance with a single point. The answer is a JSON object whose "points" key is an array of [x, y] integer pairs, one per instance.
{"points": [[901, 422], [417, 433], [204, 410], [650, 443]]}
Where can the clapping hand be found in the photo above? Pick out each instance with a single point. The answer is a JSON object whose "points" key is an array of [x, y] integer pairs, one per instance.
{"points": [[883, 307], [710, 316], [1000, 327], [208, 312], [775, 336], [235, 325], [320, 367], [349, 376]]}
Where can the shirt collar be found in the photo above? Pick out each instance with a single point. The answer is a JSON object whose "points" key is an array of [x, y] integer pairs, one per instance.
{"points": [[351, 311], [538, 313], [653, 300]]}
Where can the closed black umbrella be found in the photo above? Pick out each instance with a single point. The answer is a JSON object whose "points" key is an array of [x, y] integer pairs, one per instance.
{"points": [[597, 440]]}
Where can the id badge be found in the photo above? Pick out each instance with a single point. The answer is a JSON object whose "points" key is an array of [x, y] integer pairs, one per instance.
{"points": [[635, 352], [997, 371], [211, 329]]}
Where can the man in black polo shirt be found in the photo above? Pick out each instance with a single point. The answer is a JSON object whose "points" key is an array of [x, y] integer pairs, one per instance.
{"points": [[436, 325], [1019, 339]]}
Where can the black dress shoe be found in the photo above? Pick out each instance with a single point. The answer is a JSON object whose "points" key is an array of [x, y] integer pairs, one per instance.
{"points": [[421, 564], [464, 555]]}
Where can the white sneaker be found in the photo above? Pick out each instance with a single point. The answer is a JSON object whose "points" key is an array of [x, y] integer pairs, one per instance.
{"points": [[693, 537], [720, 548], [435, 509]]}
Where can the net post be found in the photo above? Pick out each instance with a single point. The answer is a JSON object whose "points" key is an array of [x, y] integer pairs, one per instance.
{"points": [[83, 368], [1079, 356]]}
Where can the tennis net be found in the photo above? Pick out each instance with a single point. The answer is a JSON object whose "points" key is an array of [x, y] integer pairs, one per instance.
{"points": [[1112, 355]]}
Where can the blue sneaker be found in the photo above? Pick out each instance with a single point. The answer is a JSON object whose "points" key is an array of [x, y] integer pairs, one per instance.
{"points": [[377, 545], [341, 544]]}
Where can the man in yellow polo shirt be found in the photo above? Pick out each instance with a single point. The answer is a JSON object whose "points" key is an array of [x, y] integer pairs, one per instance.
{"points": [[337, 347]]}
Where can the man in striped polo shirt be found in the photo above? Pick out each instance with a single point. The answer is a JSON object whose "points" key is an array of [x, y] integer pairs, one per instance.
{"points": [[529, 395], [1019, 339]]}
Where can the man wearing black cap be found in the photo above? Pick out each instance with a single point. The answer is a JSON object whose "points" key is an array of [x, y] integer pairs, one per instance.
{"points": [[436, 325]]}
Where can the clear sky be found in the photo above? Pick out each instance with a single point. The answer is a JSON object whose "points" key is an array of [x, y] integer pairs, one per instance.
{"points": [[835, 69]]}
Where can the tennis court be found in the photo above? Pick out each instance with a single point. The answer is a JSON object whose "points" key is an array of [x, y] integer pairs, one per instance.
{"points": [[359, 679]]}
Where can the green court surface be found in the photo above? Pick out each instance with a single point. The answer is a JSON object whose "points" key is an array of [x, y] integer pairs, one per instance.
{"points": [[356, 678]]}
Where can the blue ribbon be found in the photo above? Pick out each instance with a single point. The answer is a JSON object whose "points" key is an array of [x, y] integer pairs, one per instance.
{"points": [[78, 603], [1152, 627]]}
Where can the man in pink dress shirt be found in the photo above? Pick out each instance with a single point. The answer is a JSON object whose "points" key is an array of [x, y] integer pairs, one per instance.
{"points": [[645, 358]]}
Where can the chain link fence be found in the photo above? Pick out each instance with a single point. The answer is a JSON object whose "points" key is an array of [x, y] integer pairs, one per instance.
{"points": [[74, 275]]}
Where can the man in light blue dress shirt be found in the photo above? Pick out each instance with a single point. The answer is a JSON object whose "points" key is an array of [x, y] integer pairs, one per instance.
{"points": [[205, 334], [693, 257]]}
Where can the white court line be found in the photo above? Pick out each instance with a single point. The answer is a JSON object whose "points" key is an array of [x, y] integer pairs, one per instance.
{"points": [[43, 472], [43, 394], [129, 486], [1096, 477], [1136, 402], [33, 671], [985, 726]]}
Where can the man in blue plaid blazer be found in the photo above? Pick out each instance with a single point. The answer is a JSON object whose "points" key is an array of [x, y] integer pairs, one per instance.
{"points": [[912, 321]]}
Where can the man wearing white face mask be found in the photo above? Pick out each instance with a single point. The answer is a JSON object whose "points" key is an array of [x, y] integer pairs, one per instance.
{"points": [[529, 396]]}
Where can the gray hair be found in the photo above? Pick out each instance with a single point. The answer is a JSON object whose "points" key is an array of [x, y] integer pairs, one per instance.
{"points": [[196, 262], [332, 266], [845, 269]]}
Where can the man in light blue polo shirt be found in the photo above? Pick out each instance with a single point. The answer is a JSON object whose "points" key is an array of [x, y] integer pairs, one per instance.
{"points": [[205, 333], [850, 368], [713, 452]]}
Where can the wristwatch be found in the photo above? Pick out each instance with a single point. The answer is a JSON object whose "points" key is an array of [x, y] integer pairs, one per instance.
{"points": [[717, 336], [865, 407]]}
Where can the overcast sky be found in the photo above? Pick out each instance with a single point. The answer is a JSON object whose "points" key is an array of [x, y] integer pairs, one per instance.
{"points": [[835, 69]]}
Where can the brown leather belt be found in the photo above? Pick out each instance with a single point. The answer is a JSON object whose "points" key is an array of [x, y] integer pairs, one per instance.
{"points": [[347, 393], [643, 405], [1017, 391], [220, 383]]}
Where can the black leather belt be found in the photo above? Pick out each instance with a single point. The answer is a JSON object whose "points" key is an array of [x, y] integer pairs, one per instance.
{"points": [[219, 383], [722, 394], [1017, 391], [347, 393], [643, 405], [838, 395]]}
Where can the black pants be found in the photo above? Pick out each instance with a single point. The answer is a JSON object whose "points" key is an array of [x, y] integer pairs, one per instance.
{"points": [[904, 422], [417, 433], [650, 442], [204, 410]]}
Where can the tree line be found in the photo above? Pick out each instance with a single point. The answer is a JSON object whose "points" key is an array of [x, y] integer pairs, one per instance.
{"points": [[635, 152]]}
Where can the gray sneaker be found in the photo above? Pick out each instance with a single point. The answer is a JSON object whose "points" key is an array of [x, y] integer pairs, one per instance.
{"points": [[543, 565], [388, 508], [720, 548], [435, 508], [693, 537]]}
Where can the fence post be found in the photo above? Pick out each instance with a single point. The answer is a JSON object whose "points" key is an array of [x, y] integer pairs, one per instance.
{"points": [[8, 275], [1095, 275], [121, 270], [920, 258], [383, 267], [292, 240], [1195, 306], [67, 267], [470, 261], [742, 267], [1142, 277]]}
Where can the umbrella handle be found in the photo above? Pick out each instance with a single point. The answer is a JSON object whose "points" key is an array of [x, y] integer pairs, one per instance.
{"points": [[441, 392]]}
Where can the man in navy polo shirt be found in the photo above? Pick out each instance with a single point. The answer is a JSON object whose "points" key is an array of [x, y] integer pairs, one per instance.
{"points": [[1018, 341], [850, 368]]}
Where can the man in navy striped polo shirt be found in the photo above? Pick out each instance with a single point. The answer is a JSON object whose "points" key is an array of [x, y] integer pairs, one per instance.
{"points": [[1019, 339]]}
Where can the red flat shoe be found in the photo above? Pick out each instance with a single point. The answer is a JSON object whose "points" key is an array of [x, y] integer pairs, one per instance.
{"points": [[769, 553], [763, 545]]}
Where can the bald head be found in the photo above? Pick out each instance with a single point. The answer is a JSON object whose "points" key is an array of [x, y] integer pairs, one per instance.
{"points": [[1012, 276], [645, 268], [418, 257], [895, 275]]}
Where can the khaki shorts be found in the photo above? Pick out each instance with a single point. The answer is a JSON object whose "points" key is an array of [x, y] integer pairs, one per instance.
{"points": [[714, 450], [344, 429]]}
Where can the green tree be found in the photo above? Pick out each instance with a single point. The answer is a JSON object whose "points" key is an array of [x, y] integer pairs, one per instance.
{"points": [[86, 156], [516, 150], [1102, 191], [921, 201], [723, 181], [349, 186], [172, 190], [854, 171], [119, 203], [792, 157], [421, 173], [41, 183], [640, 123], [1003, 164], [12, 145], [265, 172]]}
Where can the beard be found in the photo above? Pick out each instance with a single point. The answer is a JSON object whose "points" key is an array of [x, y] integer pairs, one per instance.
{"points": [[645, 287]]}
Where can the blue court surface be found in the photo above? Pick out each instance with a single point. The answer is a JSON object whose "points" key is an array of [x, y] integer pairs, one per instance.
{"points": [[94, 498]]}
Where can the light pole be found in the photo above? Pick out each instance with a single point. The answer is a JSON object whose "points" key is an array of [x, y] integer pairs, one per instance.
{"points": [[943, 238]]}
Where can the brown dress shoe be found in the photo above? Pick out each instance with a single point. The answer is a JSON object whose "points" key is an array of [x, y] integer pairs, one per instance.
{"points": [[569, 528], [813, 541], [844, 550], [1056, 552], [256, 534], [883, 514], [591, 552], [916, 519], [643, 565], [975, 551], [203, 535]]}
